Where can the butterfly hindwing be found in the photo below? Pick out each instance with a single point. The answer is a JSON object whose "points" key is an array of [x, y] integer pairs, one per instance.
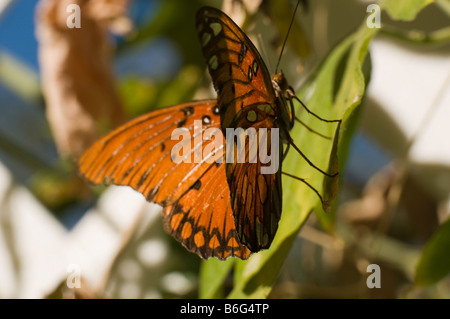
{"points": [[247, 100], [203, 220], [255, 187]]}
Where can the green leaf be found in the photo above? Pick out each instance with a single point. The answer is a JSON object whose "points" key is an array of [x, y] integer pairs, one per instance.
{"points": [[180, 88], [337, 89], [254, 278], [439, 36], [170, 16], [213, 273], [137, 94], [434, 263], [406, 10]]}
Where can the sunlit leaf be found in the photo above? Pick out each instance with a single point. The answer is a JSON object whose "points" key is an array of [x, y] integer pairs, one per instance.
{"points": [[254, 278], [334, 92]]}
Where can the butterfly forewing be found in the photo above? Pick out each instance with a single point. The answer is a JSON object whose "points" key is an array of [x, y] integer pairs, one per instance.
{"points": [[194, 193], [239, 74], [246, 99], [138, 154]]}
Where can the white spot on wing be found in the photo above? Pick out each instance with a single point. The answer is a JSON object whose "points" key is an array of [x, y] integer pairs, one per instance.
{"points": [[213, 63], [252, 116], [206, 37], [216, 27]]}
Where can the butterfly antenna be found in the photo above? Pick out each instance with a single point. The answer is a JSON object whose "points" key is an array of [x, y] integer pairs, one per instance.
{"points": [[286, 37], [266, 56]]}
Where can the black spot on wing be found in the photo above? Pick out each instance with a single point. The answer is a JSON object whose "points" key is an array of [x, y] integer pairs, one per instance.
{"points": [[189, 110], [197, 185], [182, 122]]}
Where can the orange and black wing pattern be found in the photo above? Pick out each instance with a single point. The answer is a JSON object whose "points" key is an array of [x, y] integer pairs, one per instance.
{"points": [[202, 219], [255, 188], [192, 189], [246, 100], [176, 157], [239, 74]]}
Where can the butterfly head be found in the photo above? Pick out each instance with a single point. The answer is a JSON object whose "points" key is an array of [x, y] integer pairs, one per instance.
{"points": [[280, 83], [281, 88]]}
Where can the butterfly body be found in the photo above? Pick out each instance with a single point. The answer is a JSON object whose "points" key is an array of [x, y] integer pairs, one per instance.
{"points": [[214, 207]]}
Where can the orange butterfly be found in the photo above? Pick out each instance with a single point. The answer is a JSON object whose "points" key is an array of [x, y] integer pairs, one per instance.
{"points": [[214, 209]]}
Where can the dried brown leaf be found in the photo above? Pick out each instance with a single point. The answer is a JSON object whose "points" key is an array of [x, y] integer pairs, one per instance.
{"points": [[77, 80]]}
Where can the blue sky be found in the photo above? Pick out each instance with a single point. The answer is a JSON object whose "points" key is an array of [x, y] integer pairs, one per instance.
{"points": [[17, 32]]}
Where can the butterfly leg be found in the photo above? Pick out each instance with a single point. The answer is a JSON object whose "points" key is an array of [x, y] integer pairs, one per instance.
{"points": [[306, 183], [291, 142], [286, 151], [294, 117], [291, 96]]}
